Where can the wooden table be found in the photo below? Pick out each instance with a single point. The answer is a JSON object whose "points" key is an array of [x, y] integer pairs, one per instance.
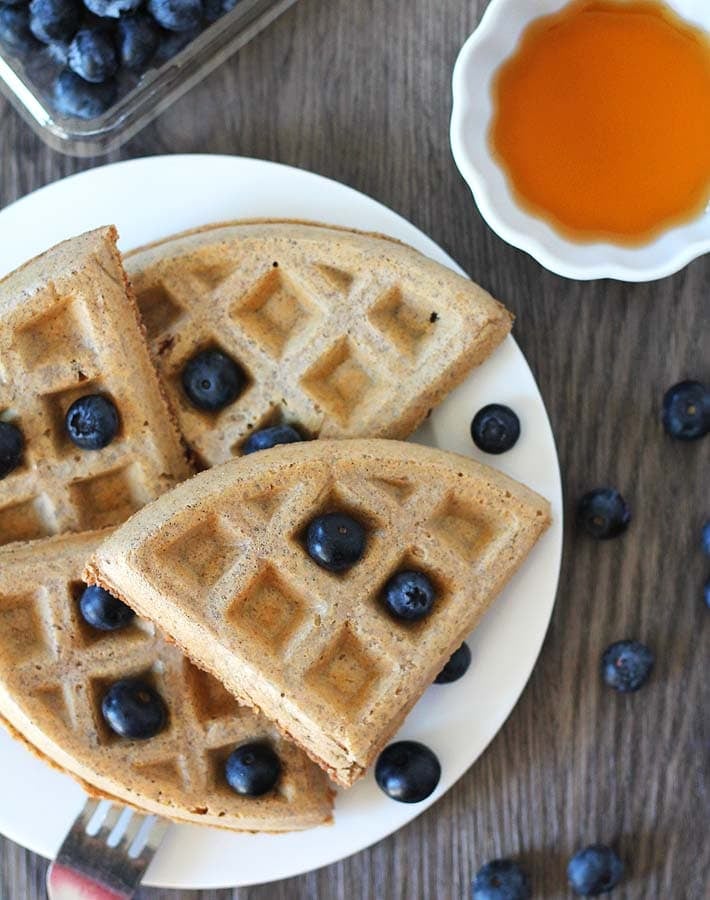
{"points": [[358, 90]]}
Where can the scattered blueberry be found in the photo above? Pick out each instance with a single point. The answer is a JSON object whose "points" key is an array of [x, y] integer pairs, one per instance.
{"points": [[495, 428], [15, 29], [626, 665], [270, 437], [686, 411], [335, 541], [407, 771], [54, 20], [92, 422], [456, 667], [112, 9], [134, 709], [603, 513], [92, 54], [212, 380], [75, 97], [176, 15], [501, 879], [11, 446], [104, 611], [595, 870], [253, 769], [409, 595], [137, 39], [705, 537]]}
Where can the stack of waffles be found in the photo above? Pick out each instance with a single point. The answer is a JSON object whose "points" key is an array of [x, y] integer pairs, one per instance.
{"points": [[351, 338]]}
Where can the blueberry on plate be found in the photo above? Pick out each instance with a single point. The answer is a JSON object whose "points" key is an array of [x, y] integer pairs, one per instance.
{"points": [[176, 15], [409, 595], [266, 438], [15, 29], [595, 870], [686, 411], [92, 54], [11, 446], [75, 97], [104, 611], [252, 769], [55, 20], [112, 9], [626, 665], [335, 541], [456, 667], [92, 422], [134, 709], [495, 428], [407, 771], [603, 513], [137, 39], [212, 380], [501, 879], [705, 537]]}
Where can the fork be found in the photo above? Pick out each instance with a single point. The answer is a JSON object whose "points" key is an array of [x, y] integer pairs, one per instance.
{"points": [[105, 853]]}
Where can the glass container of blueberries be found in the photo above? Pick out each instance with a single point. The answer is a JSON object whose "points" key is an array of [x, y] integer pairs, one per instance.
{"points": [[87, 75]]}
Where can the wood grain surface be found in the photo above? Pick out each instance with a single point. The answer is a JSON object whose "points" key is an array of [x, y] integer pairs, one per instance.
{"points": [[358, 90]]}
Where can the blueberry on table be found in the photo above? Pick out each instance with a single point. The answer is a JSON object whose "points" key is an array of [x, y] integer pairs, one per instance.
{"points": [[212, 380], [103, 611], [495, 428], [686, 411], [112, 9], [92, 54], [266, 438], [11, 446], [407, 771], [253, 769], [134, 709], [55, 20], [15, 29], [176, 15], [501, 879], [335, 541], [409, 595], [456, 667], [626, 665], [92, 422], [603, 513], [137, 40], [594, 871]]}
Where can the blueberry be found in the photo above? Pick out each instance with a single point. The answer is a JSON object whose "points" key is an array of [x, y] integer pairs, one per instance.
{"points": [[92, 422], [14, 2], [54, 20], [409, 595], [212, 380], [104, 611], [134, 709], [594, 870], [626, 665], [253, 769], [495, 428], [335, 541], [11, 446], [111, 9], [75, 97], [686, 411], [501, 879], [176, 15], [92, 54], [15, 29], [603, 513], [456, 667], [213, 9], [705, 537], [407, 771], [172, 42], [270, 437], [137, 39]]}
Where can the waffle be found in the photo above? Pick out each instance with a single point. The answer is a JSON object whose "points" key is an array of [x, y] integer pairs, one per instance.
{"points": [[69, 327], [340, 333], [54, 669], [219, 564]]}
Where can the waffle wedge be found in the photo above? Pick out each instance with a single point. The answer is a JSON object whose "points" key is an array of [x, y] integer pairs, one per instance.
{"points": [[54, 669], [340, 333], [69, 328], [220, 564]]}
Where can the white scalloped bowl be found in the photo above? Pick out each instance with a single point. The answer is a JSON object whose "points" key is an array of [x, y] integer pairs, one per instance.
{"points": [[491, 44]]}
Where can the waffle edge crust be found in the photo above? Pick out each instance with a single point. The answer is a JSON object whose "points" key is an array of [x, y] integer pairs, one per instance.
{"points": [[219, 564]]}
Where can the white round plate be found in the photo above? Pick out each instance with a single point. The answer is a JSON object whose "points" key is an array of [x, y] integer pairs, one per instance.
{"points": [[148, 199]]}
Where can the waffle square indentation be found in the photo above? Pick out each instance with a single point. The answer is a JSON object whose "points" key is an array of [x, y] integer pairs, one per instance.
{"points": [[269, 610], [402, 323], [159, 309], [467, 530], [21, 625], [59, 334], [109, 498], [337, 381], [204, 553], [345, 672], [27, 520]]}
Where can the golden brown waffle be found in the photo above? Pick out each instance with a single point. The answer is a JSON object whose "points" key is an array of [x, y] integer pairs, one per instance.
{"points": [[341, 333], [220, 564], [54, 669], [69, 327]]}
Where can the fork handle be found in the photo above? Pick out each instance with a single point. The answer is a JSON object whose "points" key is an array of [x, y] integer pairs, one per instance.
{"points": [[64, 883]]}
